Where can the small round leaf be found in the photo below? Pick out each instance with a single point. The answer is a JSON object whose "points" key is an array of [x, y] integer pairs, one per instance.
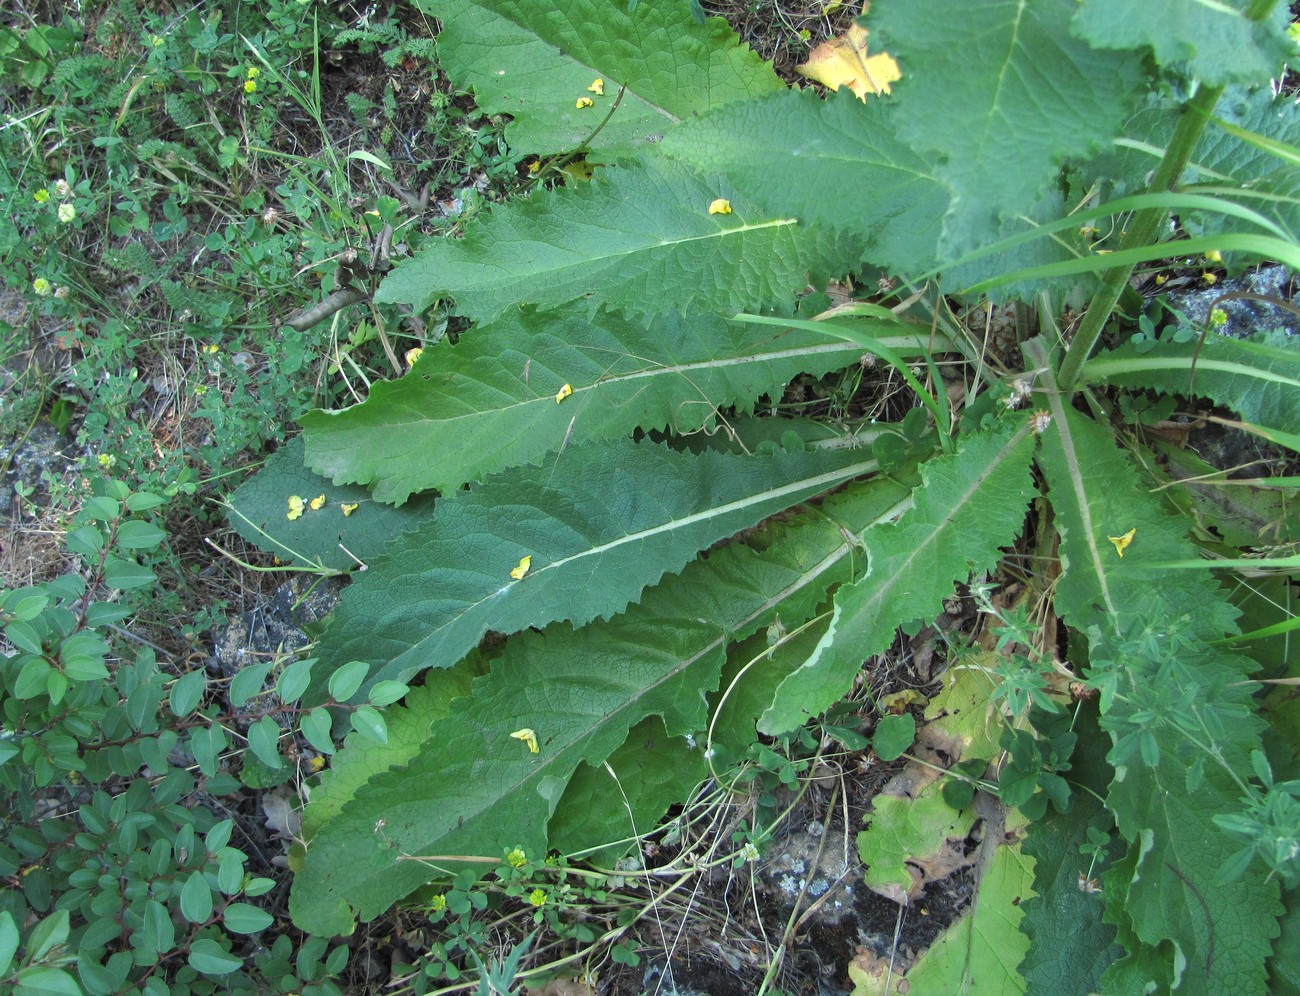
{"points": [[186, 692], [263, 738], [370, 724], [196, 898], [894, 734], [243, 918], [210, 958], [344, 682]]}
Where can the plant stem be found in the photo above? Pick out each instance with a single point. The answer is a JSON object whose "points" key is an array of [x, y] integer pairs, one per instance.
{"points": [[1141, 231], [1191, 123]]}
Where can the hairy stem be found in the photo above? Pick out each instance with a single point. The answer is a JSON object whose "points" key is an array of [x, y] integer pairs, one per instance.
{"points": [[1143, 228], [1141, 231]]}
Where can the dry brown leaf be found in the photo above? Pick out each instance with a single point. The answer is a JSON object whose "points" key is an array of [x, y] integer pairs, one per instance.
{"points": [[844, 61]]}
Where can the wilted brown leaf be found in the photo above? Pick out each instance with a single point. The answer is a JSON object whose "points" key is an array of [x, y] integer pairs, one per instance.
{"points": [[844, 61]]}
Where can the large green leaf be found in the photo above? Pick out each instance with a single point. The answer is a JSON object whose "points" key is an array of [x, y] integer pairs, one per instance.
{"points": [[360, 758], [968, 505], [1258, 378], [979, 952], [603, 521], [473, 789], [1002, 94], [626, 794], [336, 535], [1164, 686], [534, 62], [488, 403], [1070, 946], [790, 149], [1222, 162], [1216, 41], [637, 238]]}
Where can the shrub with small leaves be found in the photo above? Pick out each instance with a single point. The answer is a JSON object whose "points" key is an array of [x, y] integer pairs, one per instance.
{"points": [[122, 874]]}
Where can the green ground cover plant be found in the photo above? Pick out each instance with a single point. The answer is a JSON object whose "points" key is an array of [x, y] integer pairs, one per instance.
{"points": [[664, 298], [601, 569]]}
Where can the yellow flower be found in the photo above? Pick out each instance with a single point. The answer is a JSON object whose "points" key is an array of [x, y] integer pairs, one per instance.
{"points": [[534, 166], [41, 196], [348, 509], [250, 86], [597, 87], [437, 904], [518, 572], [563, 393], [66, 213], [582, 102], [720, 206], [1209, 278], [296, 506], [316, 763], [516, 858], [1214, 256], [212, 349], [528, 737], [254, 72], [106, 460], [412, 355], [1218, 317], [537, 897], [1122, 542], [42, 287], [317, 503]]}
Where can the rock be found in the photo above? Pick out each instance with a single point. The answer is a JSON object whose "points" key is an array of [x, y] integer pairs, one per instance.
{"points": [[278, 627], [1246, 315]]}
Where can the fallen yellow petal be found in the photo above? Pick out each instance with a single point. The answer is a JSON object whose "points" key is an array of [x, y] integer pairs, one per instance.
{"points": [[597, 87], [720, 206], [412, 355], [318, 503], [348, 509], [563, 393], [528, 737], [1122, 542], [582, 102], [518, 572], [296, 506]]}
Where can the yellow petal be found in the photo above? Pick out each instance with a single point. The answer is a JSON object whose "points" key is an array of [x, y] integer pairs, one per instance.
{"points": [[528, 737], [563, 393], [296, 506], [534, 166], [720, 206], [597, 87], [582, 102], [518, 572], [412, 355], [318, 503], [1122, 542], [348, 509]]}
